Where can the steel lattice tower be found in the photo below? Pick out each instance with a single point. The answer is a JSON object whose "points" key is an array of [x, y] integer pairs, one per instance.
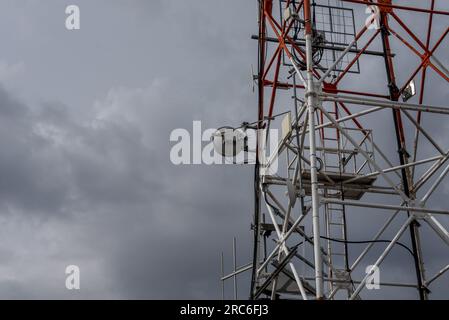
{"points": [[329, 165]]}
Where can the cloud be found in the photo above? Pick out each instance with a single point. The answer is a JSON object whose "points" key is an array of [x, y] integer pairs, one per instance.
{"points": [[105, 182], [10, 71]]}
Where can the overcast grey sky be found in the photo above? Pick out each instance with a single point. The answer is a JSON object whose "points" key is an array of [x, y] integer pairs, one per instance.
{"points": [[85, 119]]}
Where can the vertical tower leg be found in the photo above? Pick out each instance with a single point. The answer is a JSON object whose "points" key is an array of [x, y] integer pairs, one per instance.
{"points": [[394, 96], [311, 103]]}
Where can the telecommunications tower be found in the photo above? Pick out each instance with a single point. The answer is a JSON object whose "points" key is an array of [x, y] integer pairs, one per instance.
{"points": [[356, 89]]}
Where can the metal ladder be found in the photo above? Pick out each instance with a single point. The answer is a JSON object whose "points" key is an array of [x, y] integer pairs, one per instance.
{"points": [[335, 218]]}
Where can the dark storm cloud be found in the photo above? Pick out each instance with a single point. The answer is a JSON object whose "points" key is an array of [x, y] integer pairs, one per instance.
{"points": [[110, 176], [99, 176], [29, 178]]}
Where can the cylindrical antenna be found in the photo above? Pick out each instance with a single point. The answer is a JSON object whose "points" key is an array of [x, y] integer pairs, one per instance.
{"points": [[222, 276], [234, 254]]}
